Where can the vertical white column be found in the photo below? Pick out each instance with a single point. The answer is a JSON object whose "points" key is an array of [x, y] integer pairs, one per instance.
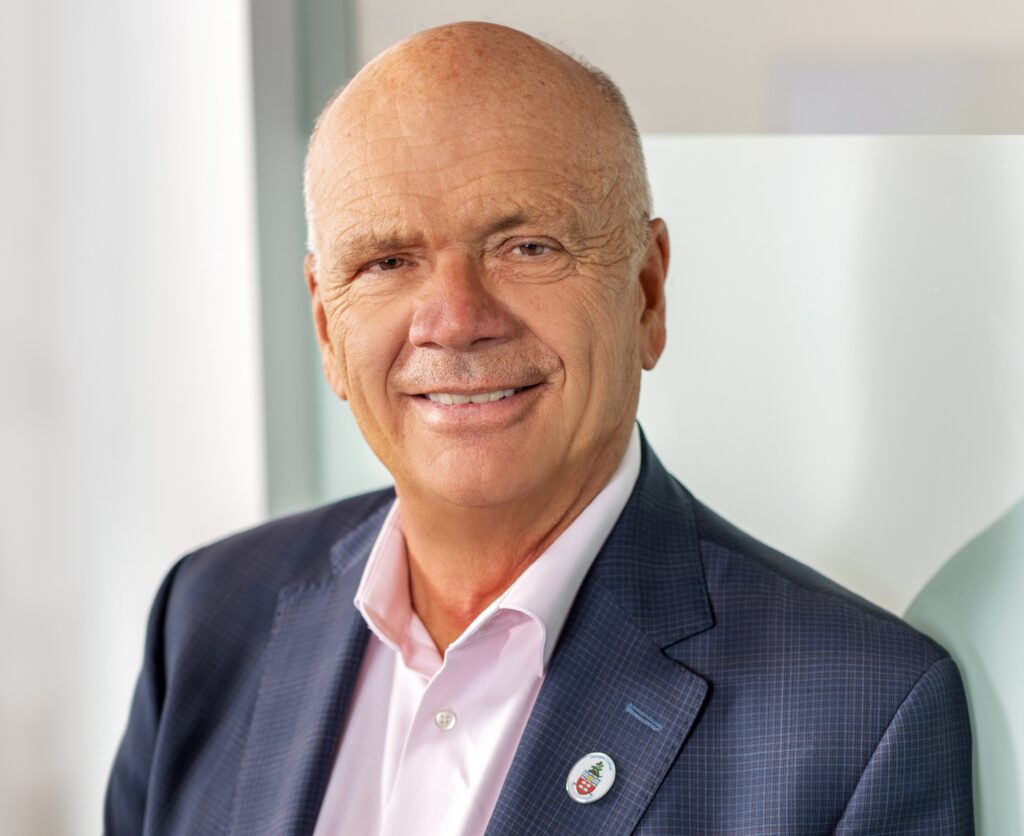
{"points": [[131, 420]]}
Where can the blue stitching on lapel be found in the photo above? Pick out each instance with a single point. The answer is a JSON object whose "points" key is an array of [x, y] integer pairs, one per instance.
{"points": [[646, 719]]}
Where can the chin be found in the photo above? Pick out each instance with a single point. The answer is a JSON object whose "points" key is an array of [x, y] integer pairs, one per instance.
{"points": [[480, 482], [474, 496]]}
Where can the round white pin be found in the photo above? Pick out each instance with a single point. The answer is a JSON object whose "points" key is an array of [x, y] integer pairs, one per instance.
{"points": [[590, 778]]}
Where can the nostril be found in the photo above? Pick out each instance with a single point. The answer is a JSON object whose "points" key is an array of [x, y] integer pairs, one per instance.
{"points": [[458, 312]]}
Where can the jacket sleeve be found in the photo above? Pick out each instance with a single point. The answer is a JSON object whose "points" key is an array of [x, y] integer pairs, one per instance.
{"points": [[919, 777], [125, 805]]}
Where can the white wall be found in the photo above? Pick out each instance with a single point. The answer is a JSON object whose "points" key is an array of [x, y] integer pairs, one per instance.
{"points": [[844, 375], [871, 66], [130, 428]]}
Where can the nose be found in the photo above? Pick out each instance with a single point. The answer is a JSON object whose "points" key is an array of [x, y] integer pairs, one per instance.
{"points": [[455, 309]]}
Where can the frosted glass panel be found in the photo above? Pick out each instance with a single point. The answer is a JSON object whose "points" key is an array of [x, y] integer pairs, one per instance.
{"points": [[844, 375]]}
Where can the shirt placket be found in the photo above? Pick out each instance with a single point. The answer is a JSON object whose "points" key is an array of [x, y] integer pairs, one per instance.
{"points": [[434, 770]]}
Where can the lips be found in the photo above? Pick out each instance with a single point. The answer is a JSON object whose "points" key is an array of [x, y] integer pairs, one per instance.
{"points": [[477, 410], [456, 398]]}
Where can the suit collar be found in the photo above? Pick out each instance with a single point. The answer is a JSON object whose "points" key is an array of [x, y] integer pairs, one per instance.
{"points": [[311, 663], [661, 584], [661, 587], [544, 591], [610, 687]]}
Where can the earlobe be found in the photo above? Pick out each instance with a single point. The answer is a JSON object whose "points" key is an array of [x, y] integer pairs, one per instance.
{"points": [[331, 375], [653, 271], [313, 286]]}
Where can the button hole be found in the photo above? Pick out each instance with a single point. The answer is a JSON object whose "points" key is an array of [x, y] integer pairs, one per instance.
{"points": [[643, 717]]}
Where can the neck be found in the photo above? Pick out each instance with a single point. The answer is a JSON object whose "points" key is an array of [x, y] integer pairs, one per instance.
{"points": [[462, 558]]}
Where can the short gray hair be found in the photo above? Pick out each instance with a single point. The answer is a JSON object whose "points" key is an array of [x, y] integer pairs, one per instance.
{"points": [[637, 186]]}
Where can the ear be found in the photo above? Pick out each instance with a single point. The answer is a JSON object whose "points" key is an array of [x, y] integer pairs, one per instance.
{"points": [[328, 360], [653, 270]]}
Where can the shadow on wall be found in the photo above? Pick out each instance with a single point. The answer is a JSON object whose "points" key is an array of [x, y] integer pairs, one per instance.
{"points": [[973, 606]]}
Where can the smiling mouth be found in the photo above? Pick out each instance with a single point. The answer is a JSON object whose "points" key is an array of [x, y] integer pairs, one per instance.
{"points": [[457, 399]]}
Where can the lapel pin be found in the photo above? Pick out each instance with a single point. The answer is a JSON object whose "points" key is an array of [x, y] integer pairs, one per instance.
{"points": [[590, 778]]}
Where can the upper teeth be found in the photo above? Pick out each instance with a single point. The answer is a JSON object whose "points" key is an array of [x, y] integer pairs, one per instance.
{"points": [[481, 397]]}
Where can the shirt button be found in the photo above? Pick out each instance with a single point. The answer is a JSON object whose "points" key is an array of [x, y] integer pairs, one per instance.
{"points": [[445, 719]]}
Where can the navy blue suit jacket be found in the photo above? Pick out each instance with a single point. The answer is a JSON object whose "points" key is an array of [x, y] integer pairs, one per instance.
{"points": [[736, 690]]}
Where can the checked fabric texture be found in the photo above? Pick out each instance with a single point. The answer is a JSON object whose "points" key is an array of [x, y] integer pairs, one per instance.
{"points": [[737, 691]]}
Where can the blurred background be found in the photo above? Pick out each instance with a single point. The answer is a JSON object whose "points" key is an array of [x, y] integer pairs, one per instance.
{"points": [[845, 371]]}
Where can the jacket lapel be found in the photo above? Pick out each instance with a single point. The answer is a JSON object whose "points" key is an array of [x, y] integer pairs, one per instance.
{"points": [[311, 664], [609, 687]]}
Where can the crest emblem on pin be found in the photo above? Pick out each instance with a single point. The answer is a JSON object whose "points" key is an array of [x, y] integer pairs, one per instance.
{"points": [[590, 778]]}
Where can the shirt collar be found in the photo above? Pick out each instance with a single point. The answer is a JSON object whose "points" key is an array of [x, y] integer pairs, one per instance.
{"points": [[544, 592]]}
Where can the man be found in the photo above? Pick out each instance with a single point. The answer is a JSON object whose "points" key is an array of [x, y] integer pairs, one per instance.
{"points": [[544, 632]]}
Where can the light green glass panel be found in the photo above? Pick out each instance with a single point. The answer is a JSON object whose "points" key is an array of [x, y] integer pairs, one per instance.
{"points": [[301, 53], [975, 607], [346, 464]]}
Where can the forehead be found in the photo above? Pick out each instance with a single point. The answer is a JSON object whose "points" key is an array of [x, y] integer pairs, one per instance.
{"points": [[402, 161]]}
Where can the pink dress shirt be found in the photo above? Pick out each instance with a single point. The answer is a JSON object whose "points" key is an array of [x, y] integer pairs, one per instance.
{"points": [[428, 740]]}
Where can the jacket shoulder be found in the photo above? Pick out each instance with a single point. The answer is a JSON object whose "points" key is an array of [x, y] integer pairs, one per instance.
{"points": [[241, 575], [789, 608]]}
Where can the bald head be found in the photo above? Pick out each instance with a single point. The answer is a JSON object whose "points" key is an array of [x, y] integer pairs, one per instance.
{"points": [[446, 83]]}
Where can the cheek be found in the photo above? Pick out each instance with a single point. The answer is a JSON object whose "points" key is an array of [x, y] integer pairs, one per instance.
{"points": [[368, 337], [587, 322], [604, 311], [613, 353]]}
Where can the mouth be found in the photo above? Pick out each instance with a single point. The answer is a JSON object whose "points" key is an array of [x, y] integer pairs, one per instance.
{"points": [[463, 398]]}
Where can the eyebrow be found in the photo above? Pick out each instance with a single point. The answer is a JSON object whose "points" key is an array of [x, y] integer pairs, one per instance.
{"points": [[363, 244], [356, 246], [350, 245]]}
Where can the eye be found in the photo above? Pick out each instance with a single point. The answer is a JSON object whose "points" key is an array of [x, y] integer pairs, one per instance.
{"points": [[385, 264], [531, 249]]}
